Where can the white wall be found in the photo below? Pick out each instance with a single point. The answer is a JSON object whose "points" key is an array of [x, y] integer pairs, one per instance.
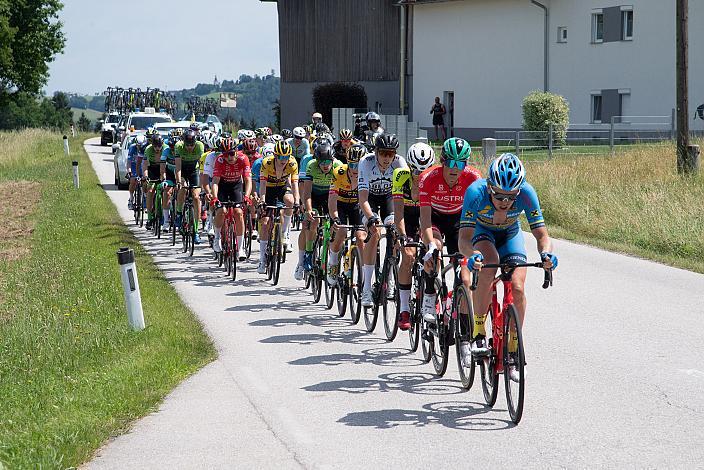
{"points": [[489, 52]]}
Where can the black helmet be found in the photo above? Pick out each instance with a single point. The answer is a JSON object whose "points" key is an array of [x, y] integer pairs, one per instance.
{"points": [[320, 128], [286, 133], [372, 116], [189, 137], [157, 140], [323, 151], [356, 153], [386, 142]]}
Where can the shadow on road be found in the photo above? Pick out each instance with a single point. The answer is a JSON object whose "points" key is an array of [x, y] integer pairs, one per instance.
{"points": [[329, 336], [321, 320], [464, 416], [377, 356], [416, 383]]}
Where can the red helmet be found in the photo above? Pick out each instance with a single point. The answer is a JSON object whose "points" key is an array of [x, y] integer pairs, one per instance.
{"points": [[228, 145], [249, 146]]}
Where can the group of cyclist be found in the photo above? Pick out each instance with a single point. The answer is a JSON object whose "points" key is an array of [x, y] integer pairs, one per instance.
{"points": [[358, 180]]}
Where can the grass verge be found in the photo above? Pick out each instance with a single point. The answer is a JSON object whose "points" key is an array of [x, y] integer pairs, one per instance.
{"points": [[72, 373]]}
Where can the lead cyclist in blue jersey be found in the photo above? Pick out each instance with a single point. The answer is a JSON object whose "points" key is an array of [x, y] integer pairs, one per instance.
{"points": [[490, 232]]}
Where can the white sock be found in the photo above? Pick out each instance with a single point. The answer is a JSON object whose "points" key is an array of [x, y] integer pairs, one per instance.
{"points": [[334, 256], [404, 297], [368, 272], [287, 224], [262, 249], [240, 242], [301, 255]]}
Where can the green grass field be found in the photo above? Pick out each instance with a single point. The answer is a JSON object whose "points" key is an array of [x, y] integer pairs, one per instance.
{"points": [[73, 373], [91, 114]]}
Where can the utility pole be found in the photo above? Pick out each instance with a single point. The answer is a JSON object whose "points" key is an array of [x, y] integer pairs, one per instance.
{"points": [[687, 156]]}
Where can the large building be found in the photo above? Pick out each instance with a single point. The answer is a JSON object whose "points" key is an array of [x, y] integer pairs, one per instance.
{"points": [[606, 57]]}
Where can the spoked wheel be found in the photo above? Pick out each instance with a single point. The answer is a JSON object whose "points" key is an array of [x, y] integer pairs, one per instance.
{"points": [[329, 291], [391, 304], [441, 348], [276, 261], [270, 262], [172, 222], [184, 232], [233, 250], [427, 340], [342, 293], [355, 286], [414, 302], [371, 314], [514, 363], [316, 275], [225, 243], [248, 234], [487, 365], [463, 304], [191, 231]]}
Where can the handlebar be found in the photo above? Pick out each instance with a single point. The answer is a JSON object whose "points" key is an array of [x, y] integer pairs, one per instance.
{"points": [[509, 267]]}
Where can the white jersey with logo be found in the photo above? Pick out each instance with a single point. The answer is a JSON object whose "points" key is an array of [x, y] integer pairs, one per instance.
{"points": [[375, 181]]}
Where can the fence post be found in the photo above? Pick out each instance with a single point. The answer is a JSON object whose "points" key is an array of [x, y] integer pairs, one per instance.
{"points": [[488, 149], [673, 125], [518, 143], [611, 134], [550, 141]]}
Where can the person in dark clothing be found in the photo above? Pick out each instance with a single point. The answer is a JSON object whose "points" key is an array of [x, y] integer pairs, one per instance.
{"points": [[438, 111]]}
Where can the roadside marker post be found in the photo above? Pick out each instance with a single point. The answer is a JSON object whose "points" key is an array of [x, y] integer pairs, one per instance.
{"points": [[130, 284], [74, 164]]}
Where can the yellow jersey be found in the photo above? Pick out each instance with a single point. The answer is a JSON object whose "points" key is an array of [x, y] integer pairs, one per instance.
{"points": [[268, 172]]}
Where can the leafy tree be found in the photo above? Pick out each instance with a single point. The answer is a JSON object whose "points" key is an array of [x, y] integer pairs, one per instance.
{"points": [[30, 37], [277, 113], [83, 123], [252, 124], [541, 109]]}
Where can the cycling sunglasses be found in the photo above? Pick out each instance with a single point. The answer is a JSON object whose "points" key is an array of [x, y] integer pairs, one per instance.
{"points": [[503, 197], [282, 157], [325, 162], [353, 165], [459, 164]]}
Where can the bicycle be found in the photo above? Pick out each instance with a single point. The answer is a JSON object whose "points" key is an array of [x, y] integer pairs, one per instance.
{"points": [[349, 278], [320, 262], [188, 222], [275, 253], [380, 289], [228, 236], [157, 214], [505, 324], [138, 203], [172, 215], [415, 300]]}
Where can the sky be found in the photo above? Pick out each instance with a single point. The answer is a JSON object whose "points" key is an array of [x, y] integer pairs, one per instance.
{"points": [[167, 44]]}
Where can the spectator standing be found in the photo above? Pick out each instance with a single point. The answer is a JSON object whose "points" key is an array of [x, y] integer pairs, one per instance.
{"points": [[438, 111]]}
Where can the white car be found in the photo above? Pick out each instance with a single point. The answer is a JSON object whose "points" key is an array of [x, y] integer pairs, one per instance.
{"points": [[164, 128], [141, 121], [120, 160], [108, 130]]}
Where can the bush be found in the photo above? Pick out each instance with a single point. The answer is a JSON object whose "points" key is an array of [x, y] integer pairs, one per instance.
{"points": [[542, 108], [338, 95]]}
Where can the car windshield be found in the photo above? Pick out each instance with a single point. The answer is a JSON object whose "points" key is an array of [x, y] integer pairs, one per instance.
{"points": [[112, 119], [145, 122]]}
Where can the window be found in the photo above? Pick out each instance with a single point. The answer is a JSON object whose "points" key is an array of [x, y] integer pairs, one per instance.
{"points": [[596, 108], [562, 34], [626, 23], [598, 27]]}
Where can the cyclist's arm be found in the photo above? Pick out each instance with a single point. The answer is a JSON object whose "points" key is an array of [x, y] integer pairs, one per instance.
{"points": [[426, 224], [364, 202], [465, 241], [177, 162], [307, 190], [215, 183], [398, 216], [543, 239], [205, 183], [296, 192], [247, 185], [162, 170], [332, 204]]}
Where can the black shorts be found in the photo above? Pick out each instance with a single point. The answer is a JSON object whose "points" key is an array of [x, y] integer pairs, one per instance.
{"points": [[438, 120], [411, 221], [381, 205], [154, 172], [319, 203], [349, 213], [170, 176], [189, 172], [275, 195], [230, 192], [449, 226]]}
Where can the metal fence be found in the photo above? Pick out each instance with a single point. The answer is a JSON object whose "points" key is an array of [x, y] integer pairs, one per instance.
{"points": [[407, 132], [590, 139]]}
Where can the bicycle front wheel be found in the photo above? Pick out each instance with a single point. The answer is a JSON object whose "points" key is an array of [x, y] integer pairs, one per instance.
{"points": [[463, 307], [276, 262], [391, 303], [487, 365], [514, 364], [355, 285], [233, 250], [441, 349], [191, 231]]}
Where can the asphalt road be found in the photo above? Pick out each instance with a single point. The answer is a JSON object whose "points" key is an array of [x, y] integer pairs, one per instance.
{"points": [[614, 377]]}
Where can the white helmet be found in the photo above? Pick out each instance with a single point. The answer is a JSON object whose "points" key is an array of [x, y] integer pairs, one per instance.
{"points": [[248, 134], [208, 138], [268, 150], [276, 138], [240, 134], [421, 156], [141, 139], [299, 132]]}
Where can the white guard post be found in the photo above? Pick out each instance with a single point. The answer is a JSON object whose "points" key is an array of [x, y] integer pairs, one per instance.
{"points": [[130, 284], [76, 182]]}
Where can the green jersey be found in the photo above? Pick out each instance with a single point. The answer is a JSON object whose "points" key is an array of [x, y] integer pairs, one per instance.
{"points": [[191, 157], [152, 155], [321, 181]]}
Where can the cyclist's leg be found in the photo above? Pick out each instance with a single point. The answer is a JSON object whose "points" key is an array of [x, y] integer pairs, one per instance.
{"points": [[372, 241], [484, 241], [513, 249], [239, 216]]}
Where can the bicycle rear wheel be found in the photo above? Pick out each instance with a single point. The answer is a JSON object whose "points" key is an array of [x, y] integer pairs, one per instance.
{"points": [[277, 255], [172, 220], [391, 304], [342, 293], [463, 307], [487, 365], [248, 234], [233, 250], [315, 274], [329, 292], [191, 231], [441, 348], [414, 303], [514, 363], [371, 314], [355, 285]]}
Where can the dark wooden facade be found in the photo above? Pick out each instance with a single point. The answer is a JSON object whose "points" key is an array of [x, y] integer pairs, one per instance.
{"points": [[339, 40]]}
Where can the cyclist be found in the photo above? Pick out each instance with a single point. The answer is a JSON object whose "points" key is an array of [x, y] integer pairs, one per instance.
{"points": [[188, 152], [135, 154], [230, 174], [343, 205], [206, 165], [249, 149], [299, 143], [343, 145], [278, 180], [152, 173], [317, 118], [168, 172], [286, 133], [373, 128], [374, 184], [441, 191], [260, 135], [316, 186], [491, 233], [405, 194]]}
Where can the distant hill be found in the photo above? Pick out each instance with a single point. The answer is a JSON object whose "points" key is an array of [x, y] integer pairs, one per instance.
{"points": [[256, 96]]}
